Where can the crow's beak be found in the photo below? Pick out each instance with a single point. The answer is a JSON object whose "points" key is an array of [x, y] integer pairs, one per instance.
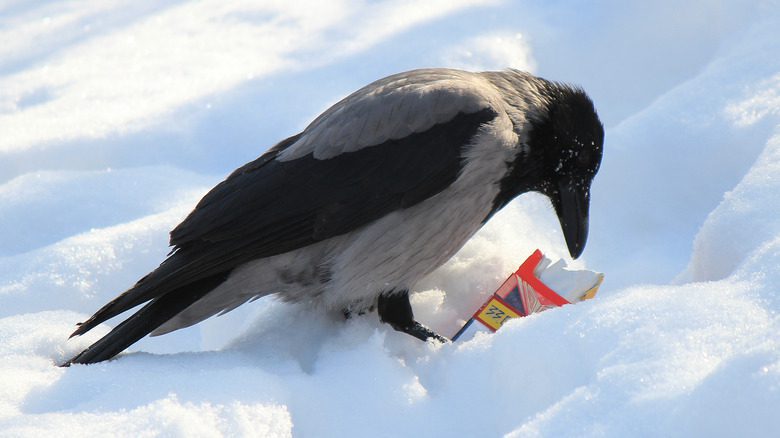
{"points": [[571, 202]]}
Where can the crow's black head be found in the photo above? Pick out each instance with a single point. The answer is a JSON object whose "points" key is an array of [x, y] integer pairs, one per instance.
{"points": [[571, 140], [564, 148]]}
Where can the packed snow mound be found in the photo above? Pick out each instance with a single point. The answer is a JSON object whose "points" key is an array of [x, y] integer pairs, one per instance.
{"points": [[724, 241], [116, 118], [668, 166]]}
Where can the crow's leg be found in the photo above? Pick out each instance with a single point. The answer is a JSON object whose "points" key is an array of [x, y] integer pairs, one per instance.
{"points": [[396, 310]]}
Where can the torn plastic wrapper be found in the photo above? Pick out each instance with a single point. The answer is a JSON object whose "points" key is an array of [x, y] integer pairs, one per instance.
{"points": [[531, 289]]}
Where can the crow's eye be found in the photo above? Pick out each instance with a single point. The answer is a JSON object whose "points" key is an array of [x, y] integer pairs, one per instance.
{"points": [[584, 158], [589, 158]]}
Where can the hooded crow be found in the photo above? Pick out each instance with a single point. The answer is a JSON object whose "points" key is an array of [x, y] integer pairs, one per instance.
{"points": [[378, 191]]}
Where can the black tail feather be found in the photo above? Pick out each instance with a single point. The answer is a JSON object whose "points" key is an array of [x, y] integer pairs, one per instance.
{"points": [[147, 288], [146, 320]]}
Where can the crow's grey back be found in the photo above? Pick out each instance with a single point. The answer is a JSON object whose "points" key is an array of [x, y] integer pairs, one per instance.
{"points": [[393, 108]]}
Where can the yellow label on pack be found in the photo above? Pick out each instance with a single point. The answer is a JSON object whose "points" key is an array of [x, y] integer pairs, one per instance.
{"points": [[590, 293], [495, 314]]}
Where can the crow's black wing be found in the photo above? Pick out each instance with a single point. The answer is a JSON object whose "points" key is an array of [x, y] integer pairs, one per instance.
{"points": [[271, 206]]}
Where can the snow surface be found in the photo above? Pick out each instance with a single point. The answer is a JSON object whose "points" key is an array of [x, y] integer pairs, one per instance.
{"points": [[116, 116]]}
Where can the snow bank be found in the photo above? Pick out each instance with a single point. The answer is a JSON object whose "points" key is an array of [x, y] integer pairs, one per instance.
{"points": [[117, 117], [669, 165], [745, 222]]}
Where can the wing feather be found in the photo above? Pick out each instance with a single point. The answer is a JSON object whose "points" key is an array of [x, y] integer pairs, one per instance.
{"points": [[284, 201]]}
